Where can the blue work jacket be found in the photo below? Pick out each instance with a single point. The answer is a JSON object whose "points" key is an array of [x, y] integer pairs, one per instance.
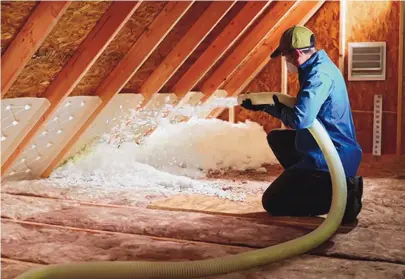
{"points": [[323, 95]]}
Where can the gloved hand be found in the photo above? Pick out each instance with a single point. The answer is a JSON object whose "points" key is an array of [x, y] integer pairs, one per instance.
{"points": [[278, 105], [247, 104]]}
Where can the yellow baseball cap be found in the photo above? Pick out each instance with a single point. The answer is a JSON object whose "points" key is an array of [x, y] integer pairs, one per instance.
{"points": [[296, 37]]}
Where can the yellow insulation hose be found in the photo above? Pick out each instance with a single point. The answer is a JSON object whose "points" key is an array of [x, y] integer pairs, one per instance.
{"points": [[221, 265]]}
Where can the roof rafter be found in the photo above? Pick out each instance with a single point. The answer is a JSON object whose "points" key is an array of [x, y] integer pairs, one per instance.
{"points": [[254, 39], [190, 41], [28, 40], [219, 46], [84, 57], [299, 14], [127, 67]]}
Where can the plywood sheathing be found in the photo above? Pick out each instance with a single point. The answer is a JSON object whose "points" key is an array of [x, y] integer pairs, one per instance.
{"points": [[35, 30], [116, 50], [56, 50], [368, 22], [14, 14], [325, 24], [203, 45], [237, 44], [164, 48]]}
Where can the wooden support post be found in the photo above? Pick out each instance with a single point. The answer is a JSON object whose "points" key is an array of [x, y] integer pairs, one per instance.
{"points": [[85, 56], [127, 67], [28, 40], [191, 40], [284, 82], [342, 38], [300, 13], [231, 33], [400, 78]]}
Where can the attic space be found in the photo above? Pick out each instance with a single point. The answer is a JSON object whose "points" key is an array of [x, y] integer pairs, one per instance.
{"points": [[127, 150]]}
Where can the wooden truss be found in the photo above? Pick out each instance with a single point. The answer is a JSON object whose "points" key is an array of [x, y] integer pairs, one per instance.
{"points": [[244, 44]]}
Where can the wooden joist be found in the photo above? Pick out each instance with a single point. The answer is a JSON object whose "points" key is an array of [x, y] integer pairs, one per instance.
{"points": [[184, 48], [85, 56], [231, 33], [244, 49], [29, 39], [300, 13], [128, 66]]}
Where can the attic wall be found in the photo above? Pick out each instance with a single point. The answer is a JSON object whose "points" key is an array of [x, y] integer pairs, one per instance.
{"points": [[368, 21], [378, 21]]}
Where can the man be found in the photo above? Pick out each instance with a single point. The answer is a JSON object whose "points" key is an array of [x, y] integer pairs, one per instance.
{"points": [[305, 188]]}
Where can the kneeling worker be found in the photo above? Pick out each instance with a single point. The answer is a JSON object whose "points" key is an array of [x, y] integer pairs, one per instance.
{"points": [[305, 187]]}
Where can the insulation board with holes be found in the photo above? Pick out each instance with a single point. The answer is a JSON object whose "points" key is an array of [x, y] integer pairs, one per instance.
{"points": [[18, 116], [116, 111], [53, 136]]}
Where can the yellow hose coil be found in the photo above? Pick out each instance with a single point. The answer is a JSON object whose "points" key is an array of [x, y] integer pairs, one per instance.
{"points": [[221, 265]]}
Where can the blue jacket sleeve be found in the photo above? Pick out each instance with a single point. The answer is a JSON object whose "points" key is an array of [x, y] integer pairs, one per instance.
{"points": [[312, 95]]}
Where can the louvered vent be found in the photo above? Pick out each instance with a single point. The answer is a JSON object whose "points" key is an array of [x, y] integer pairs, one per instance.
{"points": [[367, 61]]}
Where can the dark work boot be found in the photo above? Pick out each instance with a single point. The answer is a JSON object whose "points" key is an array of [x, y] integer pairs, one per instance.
{"points": [[354, 199]]}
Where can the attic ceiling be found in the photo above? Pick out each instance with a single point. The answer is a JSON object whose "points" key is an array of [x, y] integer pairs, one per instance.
{"points": [[91, 49]]}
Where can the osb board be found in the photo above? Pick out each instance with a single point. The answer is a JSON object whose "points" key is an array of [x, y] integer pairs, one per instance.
{"points": [[325, 25], [118, 47], [367, 22], [204, 45], [364, 131], [268, 80], [168, 43], [231, 49], [14, 14], [59, 46]]}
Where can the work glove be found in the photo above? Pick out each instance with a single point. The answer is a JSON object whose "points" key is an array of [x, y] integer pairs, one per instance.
{"points": [[278, 105], [247, 104]]}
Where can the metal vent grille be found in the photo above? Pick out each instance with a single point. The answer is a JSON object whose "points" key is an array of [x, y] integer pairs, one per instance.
{"points": [[367, 61]]}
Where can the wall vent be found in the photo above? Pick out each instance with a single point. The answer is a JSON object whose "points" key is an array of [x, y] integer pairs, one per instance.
{"points": [[367, 61]]}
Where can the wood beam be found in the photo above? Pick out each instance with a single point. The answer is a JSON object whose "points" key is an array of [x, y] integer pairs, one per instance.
{"points": [[28, 40], [400, 77], [300, 13], [244, 49], [194, 36], [231, 33], [127, 67], [342, 37], [85, 56]]}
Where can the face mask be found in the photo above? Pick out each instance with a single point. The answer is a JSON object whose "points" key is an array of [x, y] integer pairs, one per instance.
{"points": [[291, 68]]}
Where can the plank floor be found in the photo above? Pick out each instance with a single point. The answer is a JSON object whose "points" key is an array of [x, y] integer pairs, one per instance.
{"points": [[43, 224]]}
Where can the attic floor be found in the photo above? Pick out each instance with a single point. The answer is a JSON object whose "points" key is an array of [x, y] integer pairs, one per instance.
{"points": [[43, 224]]}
